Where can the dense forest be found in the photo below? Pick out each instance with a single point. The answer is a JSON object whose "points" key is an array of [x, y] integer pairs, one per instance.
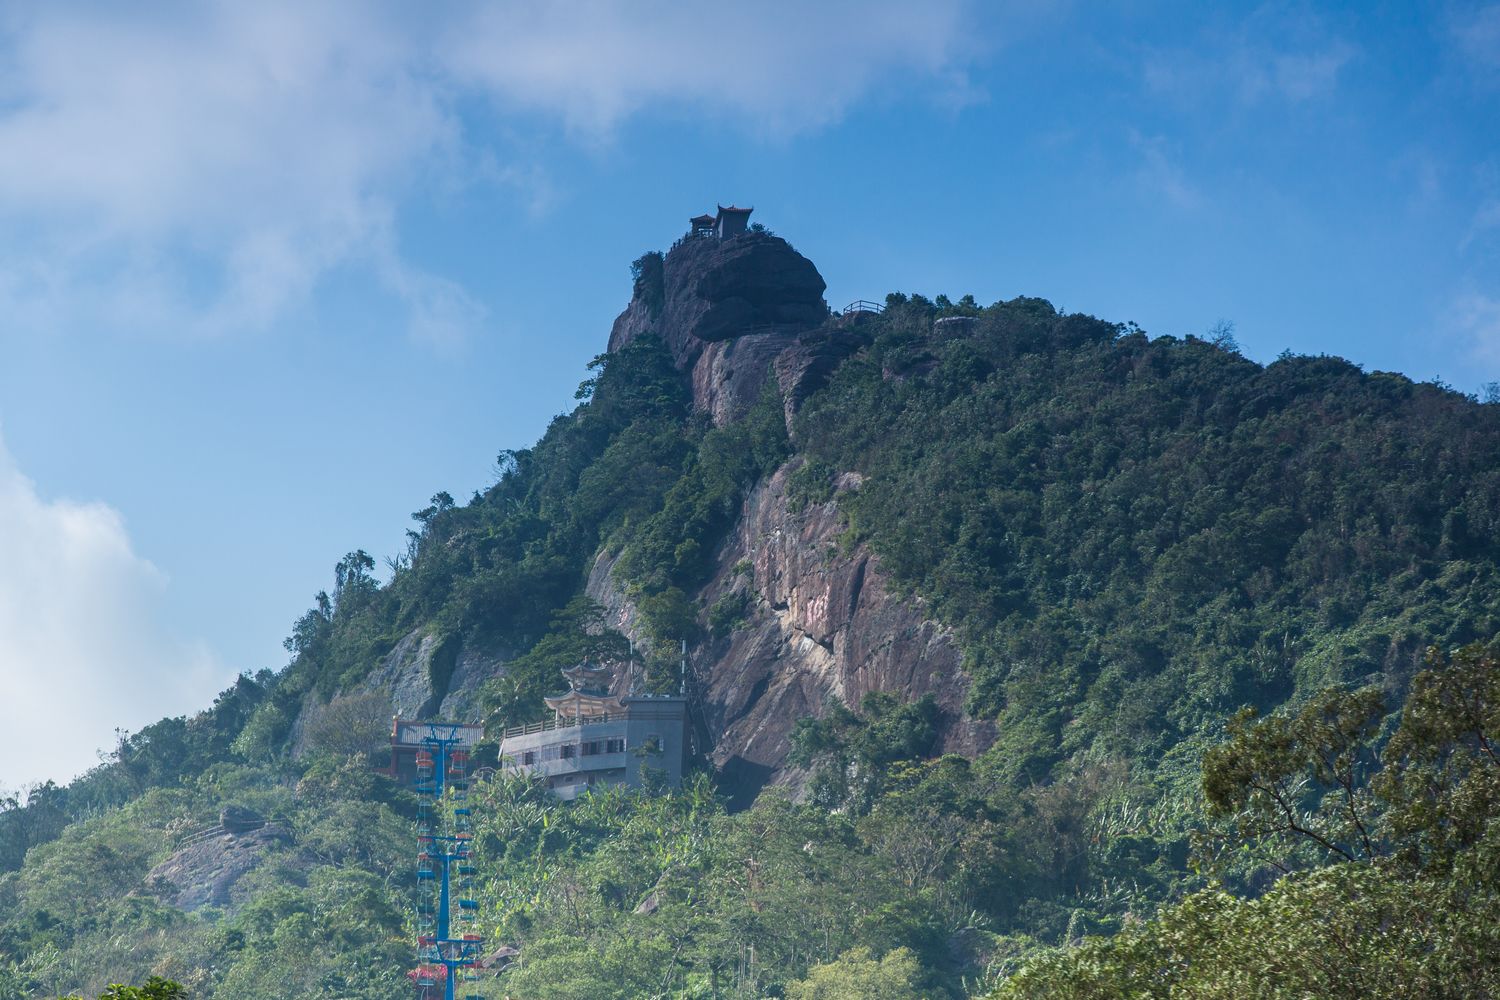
{"points": [[1233, 624]]}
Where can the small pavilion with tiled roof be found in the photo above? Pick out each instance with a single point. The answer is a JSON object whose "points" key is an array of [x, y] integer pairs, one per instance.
{"points": [[703, 225], [731, 221], [588, 694]]}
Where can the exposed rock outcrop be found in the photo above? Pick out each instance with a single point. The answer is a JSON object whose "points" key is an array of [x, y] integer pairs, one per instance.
{"points": [[727, 310], [719, 289], [205, 870], [240, 820], [407, 673], [820, 622], [424, 676], [430, 677], [804, 367], [472, 667]]}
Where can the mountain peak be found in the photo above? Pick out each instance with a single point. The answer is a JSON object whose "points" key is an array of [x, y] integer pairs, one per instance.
{"points": [[728, 309]]}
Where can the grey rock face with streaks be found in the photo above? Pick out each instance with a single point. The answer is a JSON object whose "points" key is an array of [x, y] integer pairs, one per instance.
{"points": [[206, 870], [406, 674], [472, 667], [425, 677]]}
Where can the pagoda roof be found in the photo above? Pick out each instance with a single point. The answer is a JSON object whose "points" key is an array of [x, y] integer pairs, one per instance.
{"points": [[705, 217], [590, 678], [585, 666], [583, 703], [590, 671], [735, 209]]}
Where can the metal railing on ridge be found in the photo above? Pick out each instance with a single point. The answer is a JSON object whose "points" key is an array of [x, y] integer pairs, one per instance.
{"points": [[199, 836]]}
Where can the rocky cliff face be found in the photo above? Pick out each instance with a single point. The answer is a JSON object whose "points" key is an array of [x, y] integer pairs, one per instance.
{"points": [[819, 623], [424, 677], [735, 312]]}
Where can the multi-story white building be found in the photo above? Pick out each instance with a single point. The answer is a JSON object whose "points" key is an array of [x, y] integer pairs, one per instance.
{"points": [[596, 738]]}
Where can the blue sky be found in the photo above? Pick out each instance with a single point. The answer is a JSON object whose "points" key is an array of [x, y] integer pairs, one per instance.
{"points": [[273, 274]]}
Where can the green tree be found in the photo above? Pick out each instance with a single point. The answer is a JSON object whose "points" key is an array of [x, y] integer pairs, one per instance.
{"points": [[1407, 906], [155, 988], [856, 975], [852, 754], [1441, 775], [1298, 779]]}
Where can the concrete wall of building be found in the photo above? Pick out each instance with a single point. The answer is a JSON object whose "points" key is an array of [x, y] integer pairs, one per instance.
{"points": [[573, 757]]}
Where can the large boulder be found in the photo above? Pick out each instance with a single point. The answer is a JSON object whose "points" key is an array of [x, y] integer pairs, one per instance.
{"points": [[765, 280], [715, 290], [240, 819], [206, 868], [734, 313]]}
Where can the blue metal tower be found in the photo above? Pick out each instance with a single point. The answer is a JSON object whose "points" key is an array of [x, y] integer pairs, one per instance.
{"points": [[447, 945]]}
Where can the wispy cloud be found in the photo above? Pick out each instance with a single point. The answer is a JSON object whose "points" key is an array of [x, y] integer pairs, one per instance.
{"points": [[203, 168], [82, 645], [1161, 175], [1273, 55], [1298, 76], [779, 66]]}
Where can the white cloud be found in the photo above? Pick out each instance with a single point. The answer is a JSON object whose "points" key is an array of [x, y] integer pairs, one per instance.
{"points": [[1161, 176], [1304, 76], [201, 168], [780, 66], [1270, 56], [82, 646]]}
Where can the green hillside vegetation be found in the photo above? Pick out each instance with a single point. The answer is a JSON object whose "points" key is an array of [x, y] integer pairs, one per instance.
{"points": [[1131, 538], [1392, 848]]}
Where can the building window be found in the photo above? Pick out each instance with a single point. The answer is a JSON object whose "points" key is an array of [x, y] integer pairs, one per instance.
{"points": [[529, 757], [614, 746], [566, 751]]}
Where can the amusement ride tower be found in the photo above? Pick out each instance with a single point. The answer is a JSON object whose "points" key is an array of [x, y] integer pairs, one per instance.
{"points": [[448, 948]]}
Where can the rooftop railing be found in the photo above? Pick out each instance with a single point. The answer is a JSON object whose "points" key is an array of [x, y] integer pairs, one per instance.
{"points": [[543, 725], [863, 306]]}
